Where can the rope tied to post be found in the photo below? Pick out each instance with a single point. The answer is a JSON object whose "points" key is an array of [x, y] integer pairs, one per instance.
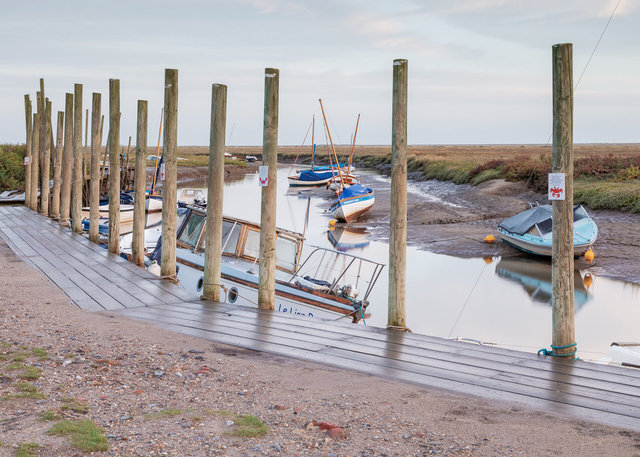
{"points": [[546, 352]]}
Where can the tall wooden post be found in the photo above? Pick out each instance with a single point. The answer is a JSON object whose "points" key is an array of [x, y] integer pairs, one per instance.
{"points": [[45, 174], [57, 168], [67, 162], [35, 163], [213, 246], [398, 222], [139, 184], [114, 166], [28, 117], [94, 186], [267, 266], [86, 127], [563, 337], [169, 187], [44, 171], [78, 173]]}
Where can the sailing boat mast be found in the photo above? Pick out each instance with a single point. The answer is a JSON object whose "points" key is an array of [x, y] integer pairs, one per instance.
{"points": [[353, 145], [333, 149], [313, 143], [155, 173]]}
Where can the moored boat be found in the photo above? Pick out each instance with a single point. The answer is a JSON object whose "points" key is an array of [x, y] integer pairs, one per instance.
{"points": [[531, 230], [325, 284], [352, 203]]}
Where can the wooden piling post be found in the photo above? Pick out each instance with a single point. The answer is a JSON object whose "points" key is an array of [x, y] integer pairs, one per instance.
{"points": [[35, 170], [28, 117], [213, 246], [398, 219], [169, 187], [267, 267], [67, 162], [114, 166], [35, 163], [57, 168], [139, 183], [86, 127], [45, 171], [563, 337], [94, 186], [45, 156], [78, 172]]}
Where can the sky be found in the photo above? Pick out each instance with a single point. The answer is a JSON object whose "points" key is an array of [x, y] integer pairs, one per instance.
{"points": [[479, 70]]}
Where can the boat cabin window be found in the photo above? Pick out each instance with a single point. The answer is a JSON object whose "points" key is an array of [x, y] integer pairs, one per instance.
{"points": [[252, 244], [230, 236], [579, 213], [286, 254], [190, 234], [545, 226]]}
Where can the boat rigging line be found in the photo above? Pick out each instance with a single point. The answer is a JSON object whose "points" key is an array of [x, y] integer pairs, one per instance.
{"points": [[595, 48]]}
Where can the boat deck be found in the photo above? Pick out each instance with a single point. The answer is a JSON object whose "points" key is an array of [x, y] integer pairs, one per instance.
{"points": [[97, 281]]}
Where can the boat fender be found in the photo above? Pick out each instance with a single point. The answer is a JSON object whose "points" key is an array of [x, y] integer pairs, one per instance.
{"points": [[589, 255]]}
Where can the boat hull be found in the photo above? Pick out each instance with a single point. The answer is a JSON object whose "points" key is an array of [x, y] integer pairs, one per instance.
{"points": [[294, 181], [350, 209], [241, 288], [541, 249]]}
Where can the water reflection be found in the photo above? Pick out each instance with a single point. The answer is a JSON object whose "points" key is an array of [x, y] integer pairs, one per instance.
{"points": [[345, 238], [535, 277]]}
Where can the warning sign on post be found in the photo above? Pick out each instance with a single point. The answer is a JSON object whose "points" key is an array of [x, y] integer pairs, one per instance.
{"points": [[263, 175], [556, 186]]}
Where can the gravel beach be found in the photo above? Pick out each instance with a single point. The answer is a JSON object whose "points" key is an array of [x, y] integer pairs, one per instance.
{"points": [[157, 393]]}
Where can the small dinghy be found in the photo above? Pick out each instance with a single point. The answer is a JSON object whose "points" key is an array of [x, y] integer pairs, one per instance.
{"points": [[531, 230], [352, 203]]}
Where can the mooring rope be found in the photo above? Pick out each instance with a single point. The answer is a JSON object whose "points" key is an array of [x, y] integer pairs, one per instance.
{"points": [[546, 352]]}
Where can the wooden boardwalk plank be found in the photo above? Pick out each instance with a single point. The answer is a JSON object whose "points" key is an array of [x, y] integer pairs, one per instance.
{"points": [[411, 341], [393, 352]]}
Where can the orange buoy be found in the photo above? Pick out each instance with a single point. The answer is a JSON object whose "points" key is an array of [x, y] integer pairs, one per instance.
{"points": [[332, 222], [488, 259], [589, 255], [587, 280], [489, 239]]}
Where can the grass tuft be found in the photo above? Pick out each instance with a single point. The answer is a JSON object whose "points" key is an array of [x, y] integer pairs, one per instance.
{"points": [[50, 416], [24, 386], [75, 405], [41, 353], [27, 450], [84, 435], [249, 426], [31, 373], [166, 413]]}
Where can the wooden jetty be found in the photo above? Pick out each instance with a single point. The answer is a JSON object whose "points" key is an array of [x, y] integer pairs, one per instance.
{"points": [[96, 280]]}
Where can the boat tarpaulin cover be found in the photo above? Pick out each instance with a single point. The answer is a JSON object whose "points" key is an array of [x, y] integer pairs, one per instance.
{"points": [[352, 191], [522, 222]]}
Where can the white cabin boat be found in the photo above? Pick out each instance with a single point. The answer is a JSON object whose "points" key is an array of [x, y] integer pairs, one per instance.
{"points": [[326, 284]]}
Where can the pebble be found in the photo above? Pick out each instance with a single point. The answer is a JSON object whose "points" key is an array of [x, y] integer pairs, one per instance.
{"points": [[158, 373]]}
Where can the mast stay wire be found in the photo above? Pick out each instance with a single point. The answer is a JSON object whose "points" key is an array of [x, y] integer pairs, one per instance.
{"points": [[595, 48]]}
